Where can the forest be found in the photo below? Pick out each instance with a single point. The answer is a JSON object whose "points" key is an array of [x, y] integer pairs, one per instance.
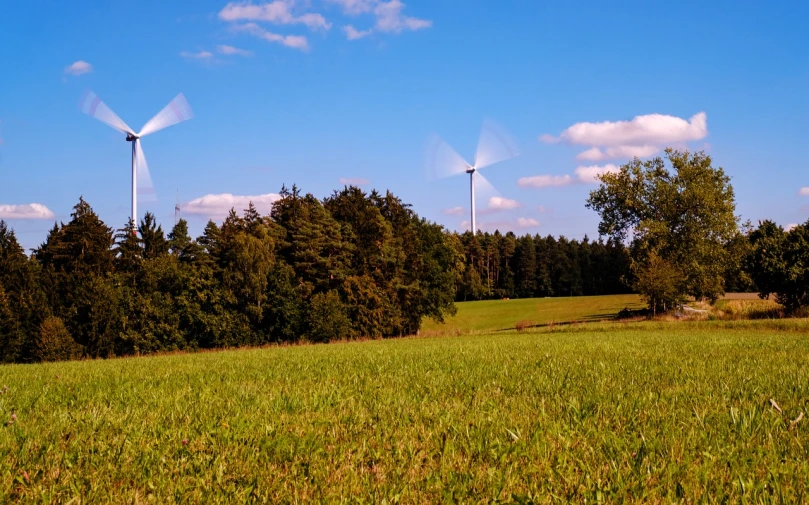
{"points": [[351, 265]]}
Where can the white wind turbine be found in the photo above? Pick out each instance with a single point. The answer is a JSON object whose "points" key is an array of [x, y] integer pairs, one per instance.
{"points": [[175, 112], [495, 145]]}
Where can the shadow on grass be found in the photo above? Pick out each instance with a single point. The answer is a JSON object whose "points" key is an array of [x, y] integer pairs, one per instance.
{"points": [[624, 315]]}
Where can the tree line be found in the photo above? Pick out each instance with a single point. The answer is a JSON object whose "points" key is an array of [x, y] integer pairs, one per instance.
{"points": [[350, 265]]}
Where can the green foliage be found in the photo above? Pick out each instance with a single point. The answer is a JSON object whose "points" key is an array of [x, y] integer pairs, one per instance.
{"points": [[54, 343], [505, 266], [252, 280], [683, 212], [660, 283], [629, 413], [328, 318], [779, 263]]}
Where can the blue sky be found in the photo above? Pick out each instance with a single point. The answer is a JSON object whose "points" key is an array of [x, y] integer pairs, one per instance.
{"points": [[285, 92]]}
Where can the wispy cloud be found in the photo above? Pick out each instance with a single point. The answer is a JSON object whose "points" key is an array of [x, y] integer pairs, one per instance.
{"points": [[527, 222], [354, 181], [27, 211], [388, 17], [791, 226], [293, 41], [218, 205], [230, 50], [199, 55], [354, 34], [583, 175], [500, 203], [804, 191], [278, 12], [618, 152], [78, 68], [454, 211], [545, 181]]}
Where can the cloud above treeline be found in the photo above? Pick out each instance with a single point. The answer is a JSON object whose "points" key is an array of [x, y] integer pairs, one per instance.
{"points": [[78, 68], [26, 211], [217, 206], [582, 175], [354, 181], [641, 137]]}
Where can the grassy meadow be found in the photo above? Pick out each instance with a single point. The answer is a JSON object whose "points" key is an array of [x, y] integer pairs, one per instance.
{"points": [[603, 412]]}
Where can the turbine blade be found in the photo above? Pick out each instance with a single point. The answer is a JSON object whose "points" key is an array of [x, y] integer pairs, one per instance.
{"points": [[441, 160], [175, 112], [484, 190], [495, 145], [91, 105], [145, 186]]}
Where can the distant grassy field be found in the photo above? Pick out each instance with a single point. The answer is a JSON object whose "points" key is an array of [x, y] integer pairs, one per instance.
{"points": [[652, 412], [493, 315]]}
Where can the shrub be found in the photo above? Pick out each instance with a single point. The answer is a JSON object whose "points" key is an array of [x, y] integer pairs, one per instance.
{"points": [[328, 319], [54, 342]]}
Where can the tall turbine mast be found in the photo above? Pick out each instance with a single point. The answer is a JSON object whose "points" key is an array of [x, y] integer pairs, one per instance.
{"points": [[175, 112], [495, 145]]}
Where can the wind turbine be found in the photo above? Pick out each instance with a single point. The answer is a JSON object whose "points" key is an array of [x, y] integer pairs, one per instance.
{"points": [[495, 145], [175, 112]]}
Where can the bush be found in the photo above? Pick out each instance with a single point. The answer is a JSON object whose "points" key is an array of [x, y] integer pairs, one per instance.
{"points": [[328, 319], [54, 342]]}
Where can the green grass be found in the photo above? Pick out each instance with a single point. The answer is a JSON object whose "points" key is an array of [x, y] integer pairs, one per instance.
{"points": [[493, 315], [653, 412]]}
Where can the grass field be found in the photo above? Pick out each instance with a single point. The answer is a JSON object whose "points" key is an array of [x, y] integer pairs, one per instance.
{"points": [[499, 315], [651, 412]]}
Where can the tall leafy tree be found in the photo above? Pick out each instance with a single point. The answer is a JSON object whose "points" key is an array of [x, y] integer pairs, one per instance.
{"points": [[680, 208]]}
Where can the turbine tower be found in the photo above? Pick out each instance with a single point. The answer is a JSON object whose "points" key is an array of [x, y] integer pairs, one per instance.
{"points": [[495, 145], [175, 112]]}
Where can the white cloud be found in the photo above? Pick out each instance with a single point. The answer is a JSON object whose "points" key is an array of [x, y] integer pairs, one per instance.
{"points": [[354, 181], [78, 68], [354, 34], [355, 7], [294, 41], [790, 226], [611, 153], [29, 211], [527, 222], [218, 206], [454, 211], [544, 181], [277, 12], [804, 191], [230, 50], [589, 175], [201, 55], [652, 129], [584, 175], [389, 18], [388, 15], [500, 203]]}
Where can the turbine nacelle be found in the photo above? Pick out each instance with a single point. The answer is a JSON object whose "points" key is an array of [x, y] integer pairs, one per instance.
{"points": [[470, 170], [131, 137]]}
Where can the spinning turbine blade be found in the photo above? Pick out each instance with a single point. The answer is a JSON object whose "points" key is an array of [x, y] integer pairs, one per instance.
{"points": [[442, 160], [175, 112], [484, 190], [91, 105], [145, 186], [495, 145]]}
